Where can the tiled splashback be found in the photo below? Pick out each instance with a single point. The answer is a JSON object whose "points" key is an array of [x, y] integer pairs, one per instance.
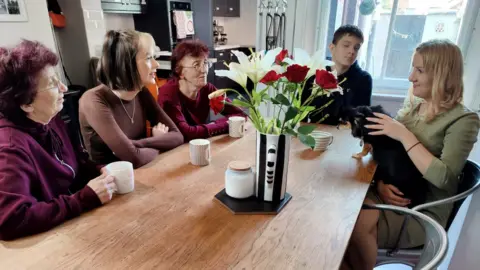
{"points": [[94, 25]]}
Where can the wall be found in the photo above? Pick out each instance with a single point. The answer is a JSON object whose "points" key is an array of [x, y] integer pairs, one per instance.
{"points": [[239, 30], [36, 28], [472, 69], [118, 21], [72, 42]]}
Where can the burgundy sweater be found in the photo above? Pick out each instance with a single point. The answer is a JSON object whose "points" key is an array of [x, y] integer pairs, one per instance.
{"points": [[191, 115], [42, 178]]}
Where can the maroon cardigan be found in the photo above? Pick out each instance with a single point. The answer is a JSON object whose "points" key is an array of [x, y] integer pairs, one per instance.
{"points": [[42, 178], [191, 116]]}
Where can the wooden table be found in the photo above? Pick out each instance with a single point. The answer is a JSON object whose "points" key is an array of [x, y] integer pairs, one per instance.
{"points": [[172, 220]]}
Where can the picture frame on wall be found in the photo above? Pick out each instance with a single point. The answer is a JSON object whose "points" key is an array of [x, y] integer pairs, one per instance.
{"points": [[13, 11]]}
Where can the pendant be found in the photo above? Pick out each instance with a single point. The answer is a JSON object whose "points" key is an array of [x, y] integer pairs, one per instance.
{"points": [[131, 120]]}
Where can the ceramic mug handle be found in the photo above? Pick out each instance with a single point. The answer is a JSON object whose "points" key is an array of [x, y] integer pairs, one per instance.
{"points": [[207, 154], [241, 129], [331, 141]]}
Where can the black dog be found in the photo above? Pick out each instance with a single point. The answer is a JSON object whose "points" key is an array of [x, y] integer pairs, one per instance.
{"points": [[394, 166]]}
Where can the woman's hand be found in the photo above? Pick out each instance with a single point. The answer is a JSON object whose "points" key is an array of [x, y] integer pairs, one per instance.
{"points": [[391, 194], [159, 130], [385, 125], [104, 186]]}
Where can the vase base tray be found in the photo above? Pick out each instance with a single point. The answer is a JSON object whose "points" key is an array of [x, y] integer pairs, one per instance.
{"points": [[251, 205]]}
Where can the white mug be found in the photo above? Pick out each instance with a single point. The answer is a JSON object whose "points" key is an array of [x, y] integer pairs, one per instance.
{"points": [[236, 126], [123, 173], [200, 152]]}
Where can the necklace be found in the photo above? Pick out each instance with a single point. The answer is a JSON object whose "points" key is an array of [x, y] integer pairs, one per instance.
{"points": [[133, 114]]}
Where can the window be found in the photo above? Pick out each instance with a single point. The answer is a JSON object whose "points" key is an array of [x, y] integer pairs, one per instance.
{"points": [[393, 31]]}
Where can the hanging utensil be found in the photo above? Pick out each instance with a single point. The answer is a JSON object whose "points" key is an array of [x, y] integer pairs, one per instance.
{"points": [[284, 24], [270, 35], [262, 8], [277, 20]]}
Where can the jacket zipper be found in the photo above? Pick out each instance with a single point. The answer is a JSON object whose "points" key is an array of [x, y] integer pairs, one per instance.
{"points": [[66, 165]]}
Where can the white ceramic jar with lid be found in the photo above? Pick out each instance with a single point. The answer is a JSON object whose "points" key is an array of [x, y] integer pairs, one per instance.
{"points": [[239, 180]]}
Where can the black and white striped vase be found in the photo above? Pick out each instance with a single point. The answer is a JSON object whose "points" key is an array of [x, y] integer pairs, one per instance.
{"points": [[272, 166]]}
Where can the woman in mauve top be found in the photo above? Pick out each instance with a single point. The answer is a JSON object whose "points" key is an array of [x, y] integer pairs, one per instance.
{"points": [[185, 97], [113, 115]]}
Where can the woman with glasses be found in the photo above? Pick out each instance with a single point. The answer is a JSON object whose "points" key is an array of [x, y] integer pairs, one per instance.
{"points": [[113, 115], [185, 96], [44, 178]]}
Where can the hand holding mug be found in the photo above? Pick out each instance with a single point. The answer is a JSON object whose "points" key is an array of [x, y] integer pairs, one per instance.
{"points": [[104, 186]]}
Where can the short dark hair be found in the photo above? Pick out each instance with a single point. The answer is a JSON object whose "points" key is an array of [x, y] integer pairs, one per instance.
{"points": [[117, 67], [19, 70], [347, 30], [194, 48]]}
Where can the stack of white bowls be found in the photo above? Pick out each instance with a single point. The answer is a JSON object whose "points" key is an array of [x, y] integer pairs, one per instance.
{"points": [[322, 139]]}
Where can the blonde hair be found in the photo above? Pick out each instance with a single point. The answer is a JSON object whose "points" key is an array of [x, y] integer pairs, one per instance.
{"points": [[443, 62]]}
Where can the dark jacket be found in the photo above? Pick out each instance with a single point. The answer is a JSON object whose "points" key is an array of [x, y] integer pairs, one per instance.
{"points": [[357, 90], [42, 178]]}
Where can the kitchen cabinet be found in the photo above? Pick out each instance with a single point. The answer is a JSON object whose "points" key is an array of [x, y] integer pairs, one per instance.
{"points": [[233, 8], [124, 6], [226, 8]]}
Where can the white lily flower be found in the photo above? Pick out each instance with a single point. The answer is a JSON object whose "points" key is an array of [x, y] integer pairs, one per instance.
{"points": [[234, 73], [301, 57], [258, 64]]}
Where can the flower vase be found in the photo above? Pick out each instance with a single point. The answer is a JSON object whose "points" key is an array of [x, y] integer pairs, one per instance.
{"points": [[272, 166]]}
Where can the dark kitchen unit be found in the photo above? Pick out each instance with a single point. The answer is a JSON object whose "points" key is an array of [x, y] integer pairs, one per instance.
{"points": [[158, 21], [124, 6], [226, 8]]}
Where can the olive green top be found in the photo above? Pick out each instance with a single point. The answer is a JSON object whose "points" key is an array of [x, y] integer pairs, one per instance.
{"points": [[450, 137]]}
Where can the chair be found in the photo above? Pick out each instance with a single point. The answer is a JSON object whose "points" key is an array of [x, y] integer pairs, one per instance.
{"points": [[435, 249], [153, 89], [470, 182]]}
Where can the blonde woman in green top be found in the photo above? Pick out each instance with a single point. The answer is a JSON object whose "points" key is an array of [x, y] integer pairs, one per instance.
{"points": [[438, 132]]}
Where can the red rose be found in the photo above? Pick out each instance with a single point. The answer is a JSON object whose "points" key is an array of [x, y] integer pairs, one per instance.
{"points": [[281, 56], [217, 104], [325, 79], [296, 73], [270, 77]]}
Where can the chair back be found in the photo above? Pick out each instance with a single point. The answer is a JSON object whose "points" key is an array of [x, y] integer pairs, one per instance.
{"points": [[436, 241], [435, 247], [469, 183]]}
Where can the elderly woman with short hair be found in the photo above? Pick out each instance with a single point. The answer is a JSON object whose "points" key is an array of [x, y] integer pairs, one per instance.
{"points": [[185, 96], [43, 179]]}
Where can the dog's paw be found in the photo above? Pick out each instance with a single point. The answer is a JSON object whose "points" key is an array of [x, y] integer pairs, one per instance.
{"points": [[358, 155]]}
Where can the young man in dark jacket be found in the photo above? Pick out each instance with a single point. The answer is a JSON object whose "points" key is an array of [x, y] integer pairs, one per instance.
{"points": [[357, 87]]}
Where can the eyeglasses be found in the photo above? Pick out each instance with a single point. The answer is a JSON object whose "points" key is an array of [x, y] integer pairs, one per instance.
{"points": [[198, 66]]}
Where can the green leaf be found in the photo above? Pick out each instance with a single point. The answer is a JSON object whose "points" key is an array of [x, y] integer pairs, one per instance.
{"points": [[308, 108], [279, 123], [290, 87], [291, 113], [240, 103], [307, 129], [307, 140], [291, 132], [270, 125], [274, 101], [282, 99]]}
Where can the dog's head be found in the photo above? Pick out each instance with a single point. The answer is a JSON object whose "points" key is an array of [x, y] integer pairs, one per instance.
{"points": [[357, 117]]}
